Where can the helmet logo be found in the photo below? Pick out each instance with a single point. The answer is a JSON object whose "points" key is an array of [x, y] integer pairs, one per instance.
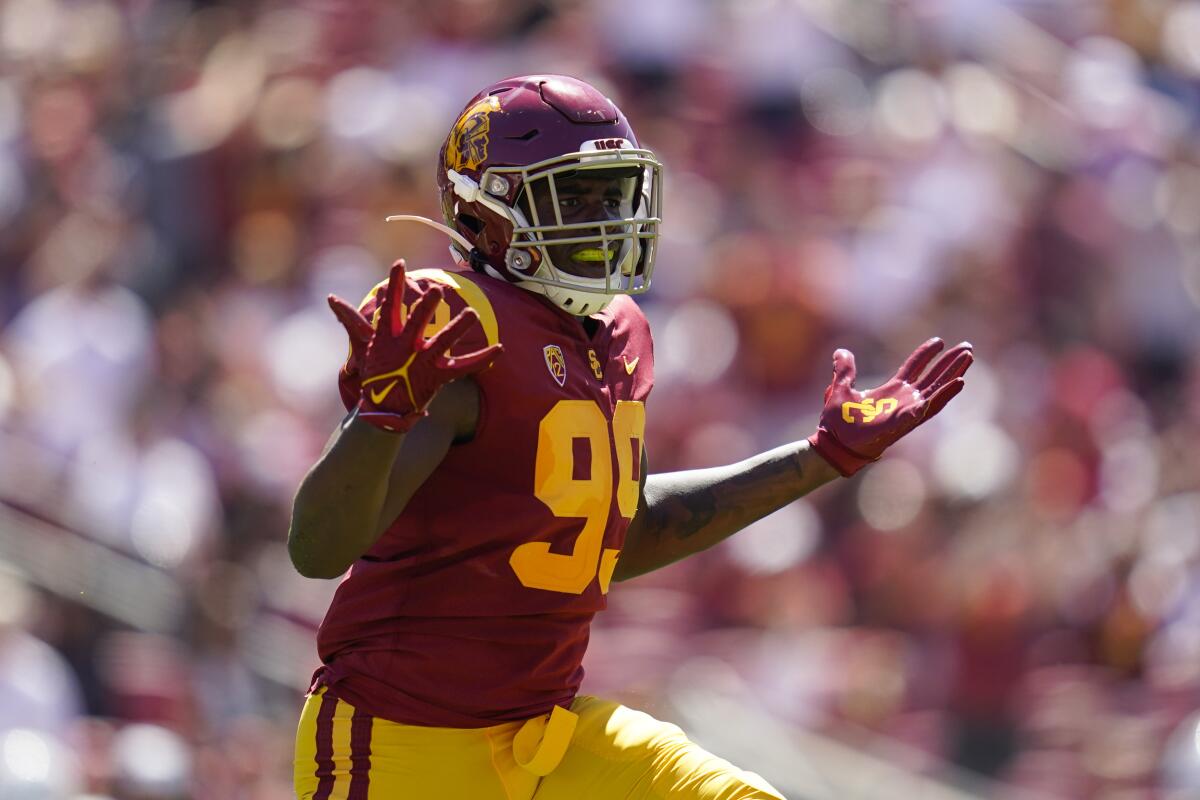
{"points": [[468, 144], [556, 363], [605, 144]]}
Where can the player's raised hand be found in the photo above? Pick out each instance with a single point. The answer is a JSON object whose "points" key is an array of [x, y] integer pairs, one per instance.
{"points": [[359, 331], [856, 427], [401, 370]]}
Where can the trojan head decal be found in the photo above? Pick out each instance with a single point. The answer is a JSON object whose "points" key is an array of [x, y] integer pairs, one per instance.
{"points": [[468, 144]]}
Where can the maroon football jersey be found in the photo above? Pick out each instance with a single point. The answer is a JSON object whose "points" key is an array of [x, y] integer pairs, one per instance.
{"points": [[474, 606]]}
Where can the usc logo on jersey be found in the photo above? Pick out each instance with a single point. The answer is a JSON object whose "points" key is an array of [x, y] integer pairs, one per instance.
{"points": [[869, 409], [594, 363], [468, 145]]}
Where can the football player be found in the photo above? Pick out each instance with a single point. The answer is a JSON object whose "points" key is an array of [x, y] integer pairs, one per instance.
{"points": [[490, 482]]}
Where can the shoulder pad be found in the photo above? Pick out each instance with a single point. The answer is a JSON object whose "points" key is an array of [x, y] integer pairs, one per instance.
{"points": [[463, 293]]}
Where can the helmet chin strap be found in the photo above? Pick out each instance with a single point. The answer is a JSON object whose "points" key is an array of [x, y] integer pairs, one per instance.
{"points": [[453, 234], [579, 302]]}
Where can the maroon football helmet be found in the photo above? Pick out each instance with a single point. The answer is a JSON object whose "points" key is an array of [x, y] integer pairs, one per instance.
{"points": [[512, 171]]}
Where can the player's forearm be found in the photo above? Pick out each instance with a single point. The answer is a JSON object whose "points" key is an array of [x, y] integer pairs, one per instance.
{"points": [[337, 510], [686, 512]]}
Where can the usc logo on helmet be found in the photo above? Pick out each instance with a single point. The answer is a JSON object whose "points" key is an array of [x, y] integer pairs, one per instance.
{"points": [[468, 146], [869, 409]]}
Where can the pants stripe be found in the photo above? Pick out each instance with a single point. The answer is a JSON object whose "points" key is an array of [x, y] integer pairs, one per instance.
{"points": [[360, 755], [325, 747]]}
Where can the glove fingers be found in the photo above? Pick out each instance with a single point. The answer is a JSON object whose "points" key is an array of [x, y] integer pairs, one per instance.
{"points": [[942, 396], [950, 366], [421, 315], [919, 360], [844, 370], [358, 327], [458, 366], [957, 369], [940, 372], [449, 335], [392, 306]]}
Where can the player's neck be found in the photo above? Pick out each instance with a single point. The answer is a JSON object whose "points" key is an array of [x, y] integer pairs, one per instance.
{"points": [[590, 325]]}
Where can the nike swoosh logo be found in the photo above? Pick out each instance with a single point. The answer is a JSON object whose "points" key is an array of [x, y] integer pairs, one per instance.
{"points": [[630, 366], [378, 397]]}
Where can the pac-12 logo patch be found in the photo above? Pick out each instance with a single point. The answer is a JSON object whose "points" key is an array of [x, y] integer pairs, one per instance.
{"points": [[468, 145], [556, 363]]}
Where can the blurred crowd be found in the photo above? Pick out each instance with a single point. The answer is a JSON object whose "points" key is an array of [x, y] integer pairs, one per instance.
{"points": [[1014, 591]]}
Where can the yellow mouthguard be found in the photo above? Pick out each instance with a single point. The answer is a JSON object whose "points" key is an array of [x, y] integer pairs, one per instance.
{"points": [[591, 254]]}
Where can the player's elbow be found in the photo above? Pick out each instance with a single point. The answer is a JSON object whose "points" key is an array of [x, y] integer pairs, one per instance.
{"points": [[307, 561], [311, 568], [316, 570]]}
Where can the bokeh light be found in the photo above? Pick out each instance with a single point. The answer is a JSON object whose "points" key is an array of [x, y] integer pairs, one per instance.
{"points": [[700, 341], [979, 460], [910, 107], [891, 494], [1181, 37], [289, 115], [836, 101], [778, 542]]}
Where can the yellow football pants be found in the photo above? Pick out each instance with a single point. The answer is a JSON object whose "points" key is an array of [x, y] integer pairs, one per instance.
{"points": [[597, 751]]}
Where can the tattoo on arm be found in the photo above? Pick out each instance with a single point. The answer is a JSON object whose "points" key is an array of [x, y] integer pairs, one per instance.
{"points": [[699, 510], [682, 513]]}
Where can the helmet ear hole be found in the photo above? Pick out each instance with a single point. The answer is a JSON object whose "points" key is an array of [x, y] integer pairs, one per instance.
{"points": [[471, 223]]}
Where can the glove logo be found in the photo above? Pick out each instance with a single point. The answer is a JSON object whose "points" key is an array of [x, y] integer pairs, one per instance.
{"points": [[380, 396], [556, 362], [630, 366], [868, 408]]}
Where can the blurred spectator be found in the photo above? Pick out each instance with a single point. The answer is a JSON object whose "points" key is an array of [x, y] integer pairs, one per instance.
{"points": [[40, 690]]}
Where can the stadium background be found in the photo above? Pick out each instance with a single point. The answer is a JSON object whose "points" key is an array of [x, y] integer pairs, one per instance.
{"points": [[1007, 606]]}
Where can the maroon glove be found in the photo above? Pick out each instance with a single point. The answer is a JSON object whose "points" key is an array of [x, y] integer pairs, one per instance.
{"points": [[856, 427], [400, 370], [359, 330]]}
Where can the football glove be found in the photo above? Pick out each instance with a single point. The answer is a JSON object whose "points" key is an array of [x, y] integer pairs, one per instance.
{"points": [[400, 370], [359, 330], [856, 427]]}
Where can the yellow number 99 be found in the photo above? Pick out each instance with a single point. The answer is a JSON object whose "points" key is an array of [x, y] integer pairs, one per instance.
{"points": [[587, 496]]}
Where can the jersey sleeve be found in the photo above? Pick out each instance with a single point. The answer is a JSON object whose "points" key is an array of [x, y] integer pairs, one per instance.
{"points": [[639, 344], [460, 293]]}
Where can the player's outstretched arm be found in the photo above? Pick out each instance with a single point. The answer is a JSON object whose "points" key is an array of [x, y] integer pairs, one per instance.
{"points": [[411, 409], [681, 513]]}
